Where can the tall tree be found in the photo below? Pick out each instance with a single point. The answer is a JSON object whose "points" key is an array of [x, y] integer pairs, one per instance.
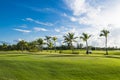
{"points": [[85, 38], [47, 38], [22, 44], [40, 43], [50, 45], [4, 46], [55, 40], [32, 46], [105, 34], [69, 39]]}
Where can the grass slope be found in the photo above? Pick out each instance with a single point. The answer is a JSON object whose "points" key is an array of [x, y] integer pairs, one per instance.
{"points": [[59, 67]]}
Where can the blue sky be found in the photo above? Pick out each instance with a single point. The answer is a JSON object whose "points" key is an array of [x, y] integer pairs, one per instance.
{"points": [[31, 19], [14, 14]]}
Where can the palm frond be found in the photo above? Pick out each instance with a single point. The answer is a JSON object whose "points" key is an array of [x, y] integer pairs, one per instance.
{"points": [[104, 33], [85, 36]]}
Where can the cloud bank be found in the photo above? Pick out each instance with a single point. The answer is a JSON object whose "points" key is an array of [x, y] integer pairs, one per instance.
{"points": [[96, 15]]}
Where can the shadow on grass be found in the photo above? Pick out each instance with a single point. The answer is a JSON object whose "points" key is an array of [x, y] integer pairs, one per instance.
{"points": [[116, 57], [63, 55], [15, 55], [76, 55], [82, 56]]}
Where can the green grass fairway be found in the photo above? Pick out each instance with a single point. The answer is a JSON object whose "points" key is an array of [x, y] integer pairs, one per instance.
{"points": [[59, 67]]}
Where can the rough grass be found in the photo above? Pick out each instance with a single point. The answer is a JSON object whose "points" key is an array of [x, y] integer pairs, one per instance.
{"points": [[59, 67]]}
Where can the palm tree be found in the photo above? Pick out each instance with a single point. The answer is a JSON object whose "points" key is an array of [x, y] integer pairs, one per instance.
{"points": [[69, 39], [54, 39], [105, 34], [40, 43], [47, 38], [50, 45], [85, 38], [4, 46], [22, 44], [32, 46]]}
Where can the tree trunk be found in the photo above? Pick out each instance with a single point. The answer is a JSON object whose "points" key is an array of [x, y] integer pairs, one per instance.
{"points": [[55, 46], [106, 46], [72, 48], [41, 48], [22, 49], [47, 46], [86, 47]]}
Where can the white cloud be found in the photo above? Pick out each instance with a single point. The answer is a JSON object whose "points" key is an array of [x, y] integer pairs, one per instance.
{"points": [[22, 30], [23, 26], [37, 29], [73, 19], [29, 19], [39, 22], [62, 29], [57, 30], [77, 6], [97, 15], [17, 40]]}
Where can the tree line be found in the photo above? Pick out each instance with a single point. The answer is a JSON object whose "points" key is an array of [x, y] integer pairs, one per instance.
{"points": [[50, 42]]}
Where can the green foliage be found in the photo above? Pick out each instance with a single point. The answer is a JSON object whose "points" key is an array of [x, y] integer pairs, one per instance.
{"points": [[22, 45], [54, 41], [69, 39], [105, 34], [48, 40], [40, 43], [32, 46], [50, 45], [85, 38]]}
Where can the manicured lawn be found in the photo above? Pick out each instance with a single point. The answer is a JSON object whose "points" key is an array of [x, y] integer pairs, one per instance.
{"points": [[59, 67]]}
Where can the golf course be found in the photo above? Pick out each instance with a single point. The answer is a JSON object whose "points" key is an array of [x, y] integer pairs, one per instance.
{"points": [[15, 65], [59, 39]]}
